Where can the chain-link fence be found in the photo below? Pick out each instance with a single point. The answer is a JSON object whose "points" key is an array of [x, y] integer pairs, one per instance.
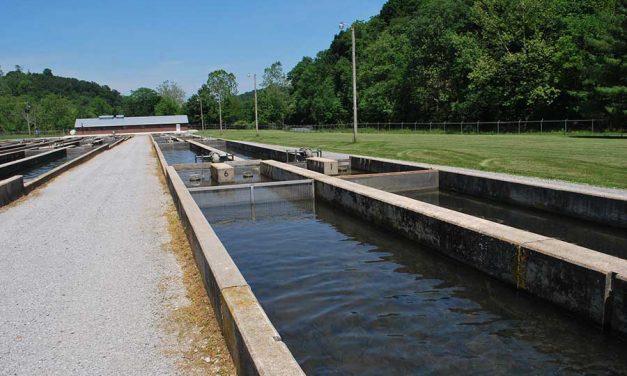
{"points": [[565, 126]]}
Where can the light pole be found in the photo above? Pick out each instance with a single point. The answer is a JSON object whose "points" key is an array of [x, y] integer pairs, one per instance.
{"points": [[220, 111], [342, 26], [202, 116], [27, 111], [256, 117]]}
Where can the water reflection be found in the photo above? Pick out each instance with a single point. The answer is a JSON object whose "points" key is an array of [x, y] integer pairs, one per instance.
{"points": [[350, 298]]}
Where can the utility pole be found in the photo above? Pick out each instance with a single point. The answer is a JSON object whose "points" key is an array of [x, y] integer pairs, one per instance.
{"points": [[220, 112], [27, 110], [342, 25], [202, 116], [256, 116]]}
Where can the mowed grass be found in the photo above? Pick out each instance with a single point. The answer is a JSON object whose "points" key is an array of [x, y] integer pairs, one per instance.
{"points": [[594, 161]]}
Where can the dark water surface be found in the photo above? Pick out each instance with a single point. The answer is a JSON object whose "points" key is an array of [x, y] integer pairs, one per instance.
{"points": [[351, 299], [606, 239], [41, 169], [178, 154]]}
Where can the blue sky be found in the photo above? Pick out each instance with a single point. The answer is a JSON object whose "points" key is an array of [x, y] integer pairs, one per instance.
{"points": [[133, 43]]}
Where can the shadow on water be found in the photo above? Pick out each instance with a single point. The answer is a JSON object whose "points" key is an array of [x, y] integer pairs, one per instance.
{"points": [[41, 169], [351, 298]]}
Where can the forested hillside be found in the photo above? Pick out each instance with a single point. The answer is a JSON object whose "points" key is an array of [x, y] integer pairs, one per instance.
{"points": [[465, 59], [418, 60], [455, 60], [49, 102]]}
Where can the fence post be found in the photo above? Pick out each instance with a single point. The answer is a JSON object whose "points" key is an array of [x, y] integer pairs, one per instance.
{"points": [[541, 121], [461, 127], [431, 122], [444, 126], [518, 126], [378, 126], [592, 126], [415, 122], [477, 126], [402, 124], [565, 126], [388, 125], [498, 125]]}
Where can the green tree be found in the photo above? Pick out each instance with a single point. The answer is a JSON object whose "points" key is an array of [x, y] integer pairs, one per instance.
{"points": [[274, 96], [221, 86], [167, 106], [172, 90], [99, 106], [141, 102]]}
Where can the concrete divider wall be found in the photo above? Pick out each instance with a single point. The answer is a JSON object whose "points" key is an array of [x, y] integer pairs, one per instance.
{"points": [[569, 276], [618, 321], [12, 156], [198, 147], [598, 208], [580, 203], [380, 165], [397, 181], [11, 168], [261, 152], [11, 189], [255, 345], [44, 178]]}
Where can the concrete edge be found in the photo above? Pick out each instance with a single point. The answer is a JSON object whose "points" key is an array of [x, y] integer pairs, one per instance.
{"points": [[385, 174], [209, 148], [20, 164], [564, 198], [42, 179], [572, 277], [526, 180], [11, 189], [255, 345], [116, 143]]}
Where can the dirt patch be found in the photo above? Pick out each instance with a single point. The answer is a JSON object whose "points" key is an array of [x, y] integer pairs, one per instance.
{"points": [[20, 200], [201, 348]]}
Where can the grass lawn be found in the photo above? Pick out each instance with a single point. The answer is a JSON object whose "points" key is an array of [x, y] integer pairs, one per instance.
{"points": [[593, 161]]}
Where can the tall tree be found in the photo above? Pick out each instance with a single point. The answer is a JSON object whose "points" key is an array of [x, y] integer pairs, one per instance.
{"points": [[172, 90], [141, 102], [274, 98], [167, 106], [221, 85]]}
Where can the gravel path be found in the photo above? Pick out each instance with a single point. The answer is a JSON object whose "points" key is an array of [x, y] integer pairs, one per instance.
{"points": [[85, 284]]}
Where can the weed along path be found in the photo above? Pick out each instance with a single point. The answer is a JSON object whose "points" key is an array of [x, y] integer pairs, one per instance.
{"points": [[90, 282]]}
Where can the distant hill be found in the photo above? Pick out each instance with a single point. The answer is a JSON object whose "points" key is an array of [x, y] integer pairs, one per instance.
{"points": [[38, 85], [437, 60], [51, 102]]}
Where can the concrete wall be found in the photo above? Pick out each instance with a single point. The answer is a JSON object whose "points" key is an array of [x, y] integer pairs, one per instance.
{"points": [[12, 168], [569, 276], [11, 189], [12, 156], [618, 320], [44, 178], [199, 148], [598, 208], [261, 152], [581, 203], [397, 181], [380, 165], [255, 345]]}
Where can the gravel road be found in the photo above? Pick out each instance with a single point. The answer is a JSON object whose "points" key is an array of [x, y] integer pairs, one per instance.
{"points": [[84, 283]]}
